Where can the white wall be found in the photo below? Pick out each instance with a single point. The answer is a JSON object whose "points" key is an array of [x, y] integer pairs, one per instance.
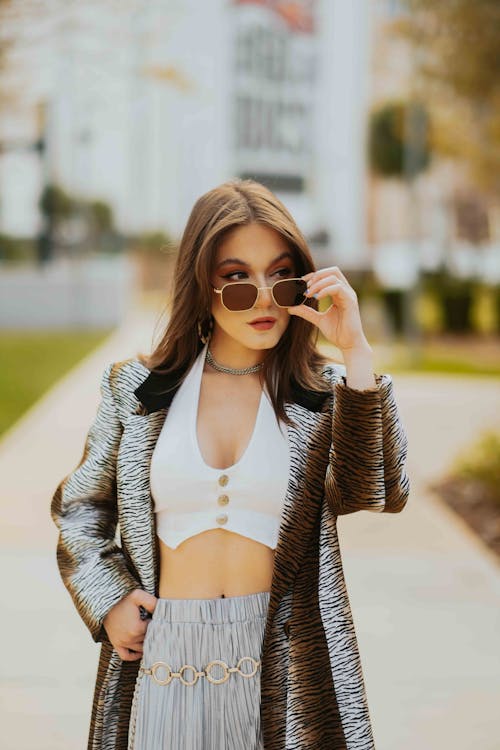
{"points": [[341, 129]]}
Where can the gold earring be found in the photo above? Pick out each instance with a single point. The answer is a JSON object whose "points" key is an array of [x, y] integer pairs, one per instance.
{"points": [[206, 334]]}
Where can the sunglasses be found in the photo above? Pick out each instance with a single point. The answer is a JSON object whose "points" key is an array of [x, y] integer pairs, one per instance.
{"points": [[242, 295]]}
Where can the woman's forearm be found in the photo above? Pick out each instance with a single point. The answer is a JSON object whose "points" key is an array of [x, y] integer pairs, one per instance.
{"points": [[359, 368]]}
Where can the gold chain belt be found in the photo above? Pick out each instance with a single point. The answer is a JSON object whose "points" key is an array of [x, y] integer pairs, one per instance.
{"points": [[204, 673]]}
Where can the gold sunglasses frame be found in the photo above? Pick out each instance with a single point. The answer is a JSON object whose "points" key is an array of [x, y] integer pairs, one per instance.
{"points": [[280, 281]]}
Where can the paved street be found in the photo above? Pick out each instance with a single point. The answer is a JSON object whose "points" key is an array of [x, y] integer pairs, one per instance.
{"points": [[425, 593]]}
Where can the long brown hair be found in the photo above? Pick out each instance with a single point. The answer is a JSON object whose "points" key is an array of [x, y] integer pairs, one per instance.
{"points": [[295, 358]]}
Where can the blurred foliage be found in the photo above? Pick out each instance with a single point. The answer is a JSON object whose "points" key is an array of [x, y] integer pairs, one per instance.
{"points": [[154, 243], [398, 139], [55, 204], [96, 219], [429, 313], [443, 304], [456, 46], [459, 305], [456, 298], [485, 312], [102, 235], [101, 216], [443, 358], [481, 462], [17, 249], [32, 361]]}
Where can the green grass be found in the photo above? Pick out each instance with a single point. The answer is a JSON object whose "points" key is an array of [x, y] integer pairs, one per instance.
{"points": [[429, 364], [448, 356], [32, 361]]}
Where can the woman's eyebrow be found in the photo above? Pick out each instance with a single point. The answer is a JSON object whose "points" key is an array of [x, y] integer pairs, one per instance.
{"points": [[229, 261]]}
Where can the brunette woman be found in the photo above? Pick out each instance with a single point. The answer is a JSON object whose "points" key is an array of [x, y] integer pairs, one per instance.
{"points": [[224, 459]]}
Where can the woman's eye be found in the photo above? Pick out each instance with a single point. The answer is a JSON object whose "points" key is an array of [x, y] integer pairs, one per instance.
{"points": [[240, 275], [284, 271], [234, 273]]}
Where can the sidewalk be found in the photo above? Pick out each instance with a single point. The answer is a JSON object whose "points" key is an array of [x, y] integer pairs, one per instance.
{"points": [[50, 660], [425, 593]]}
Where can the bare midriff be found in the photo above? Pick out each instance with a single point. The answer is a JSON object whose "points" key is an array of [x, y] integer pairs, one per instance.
{"points": [[215, 563]]}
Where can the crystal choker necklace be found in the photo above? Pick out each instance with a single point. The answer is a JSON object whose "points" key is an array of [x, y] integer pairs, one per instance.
{"points": [[231, 370]]}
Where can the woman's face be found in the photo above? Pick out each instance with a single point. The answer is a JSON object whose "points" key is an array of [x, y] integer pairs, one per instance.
{"points": [[259, 254]]}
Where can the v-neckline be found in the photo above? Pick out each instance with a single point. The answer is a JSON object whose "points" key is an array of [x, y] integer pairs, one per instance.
{"points": [[194, 419]]}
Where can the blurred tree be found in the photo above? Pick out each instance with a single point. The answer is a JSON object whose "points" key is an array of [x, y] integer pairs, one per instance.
{"points": [[55, 206], [101, 227], [58, 207], [398, 146], [460, 70], [155, 242], [456, 296], [17, 250], [101, 216], [390, 138]]}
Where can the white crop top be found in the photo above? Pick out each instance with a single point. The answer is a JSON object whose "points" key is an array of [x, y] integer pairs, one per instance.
{"points": [[190, 496]]}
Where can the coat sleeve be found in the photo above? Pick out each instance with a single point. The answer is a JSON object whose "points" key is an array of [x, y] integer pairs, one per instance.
{"points": [[84, 509], [366, 469]]}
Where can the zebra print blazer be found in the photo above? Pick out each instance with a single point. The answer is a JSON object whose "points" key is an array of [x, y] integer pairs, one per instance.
{"points": [[348, 452]]}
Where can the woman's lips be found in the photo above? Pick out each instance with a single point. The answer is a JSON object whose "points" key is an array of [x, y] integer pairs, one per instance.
{"points": [[263, 325]]}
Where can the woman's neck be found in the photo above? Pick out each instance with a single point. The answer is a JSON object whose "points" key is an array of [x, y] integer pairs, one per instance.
{"points": [[231, 353]]}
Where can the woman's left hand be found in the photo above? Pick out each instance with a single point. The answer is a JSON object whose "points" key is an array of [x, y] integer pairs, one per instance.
{"points": [[341, 323]]}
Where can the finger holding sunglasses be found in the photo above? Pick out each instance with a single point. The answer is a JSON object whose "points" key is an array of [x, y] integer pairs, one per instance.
{"points": [[314, 276], [341, 322]]}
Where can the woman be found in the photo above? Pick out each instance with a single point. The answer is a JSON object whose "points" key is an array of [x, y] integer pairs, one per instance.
{"points": [[223, 613]]}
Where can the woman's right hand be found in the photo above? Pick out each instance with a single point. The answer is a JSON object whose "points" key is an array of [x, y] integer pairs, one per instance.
{"points": [[124, 626]]}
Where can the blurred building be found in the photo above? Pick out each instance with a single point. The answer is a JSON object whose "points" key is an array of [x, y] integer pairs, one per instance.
{"points": [[150, 105]]}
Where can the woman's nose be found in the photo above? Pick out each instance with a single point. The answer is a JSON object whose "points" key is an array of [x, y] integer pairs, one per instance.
{"points": [[264, 298]]}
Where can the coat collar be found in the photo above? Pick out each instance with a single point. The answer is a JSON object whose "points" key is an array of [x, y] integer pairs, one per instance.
{"points": [[158, 390]]}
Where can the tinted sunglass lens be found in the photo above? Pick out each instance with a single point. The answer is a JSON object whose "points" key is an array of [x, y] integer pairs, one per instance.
{"points": [[239, 296], [289, 292]]}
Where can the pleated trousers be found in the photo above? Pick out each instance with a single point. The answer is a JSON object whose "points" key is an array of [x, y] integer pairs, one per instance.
{"points": [[210, 714]]}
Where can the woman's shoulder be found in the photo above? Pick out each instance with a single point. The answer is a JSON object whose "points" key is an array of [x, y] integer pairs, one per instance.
{"points": [[124, 377], [127, 373]]}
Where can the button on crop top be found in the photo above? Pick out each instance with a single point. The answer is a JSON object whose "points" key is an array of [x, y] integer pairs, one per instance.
{"points": [[190, 497]]}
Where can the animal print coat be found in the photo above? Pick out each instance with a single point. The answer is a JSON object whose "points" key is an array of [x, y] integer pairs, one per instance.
{"points": [[348, 452]]}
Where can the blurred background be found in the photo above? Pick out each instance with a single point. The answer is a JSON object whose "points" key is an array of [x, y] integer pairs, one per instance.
{"points": [[377, 123]]}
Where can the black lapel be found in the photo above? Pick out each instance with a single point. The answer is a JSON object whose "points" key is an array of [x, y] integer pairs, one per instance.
{"points": [[312, 400], [157, 392]]}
